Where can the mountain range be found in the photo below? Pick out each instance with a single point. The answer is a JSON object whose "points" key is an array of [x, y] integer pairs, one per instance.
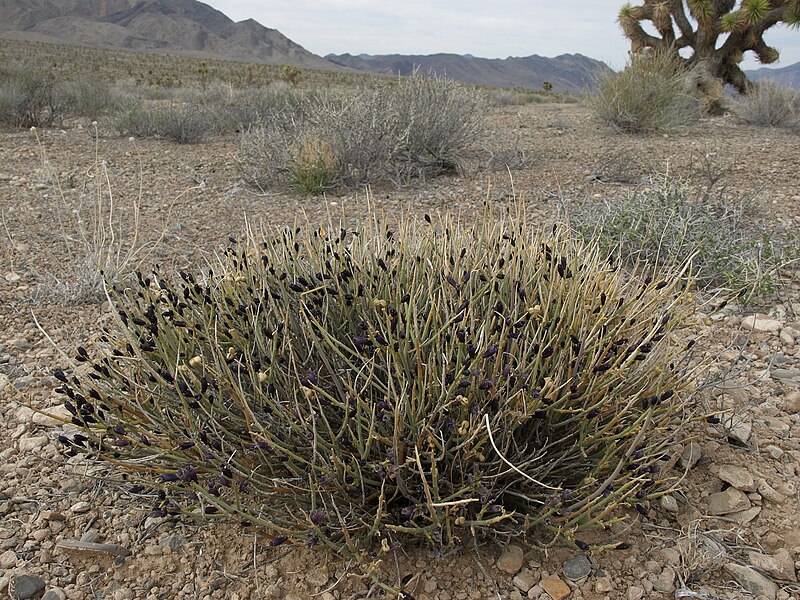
{"points": [[180, 26], [192, 27], [568, 72]]}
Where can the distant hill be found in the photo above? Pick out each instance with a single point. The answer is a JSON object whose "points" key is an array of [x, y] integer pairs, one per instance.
{"points": [[568, 72], [181, 26], [789, 75]]}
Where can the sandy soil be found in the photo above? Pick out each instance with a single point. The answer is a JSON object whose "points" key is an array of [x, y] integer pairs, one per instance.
{"points": [[192, 200]]}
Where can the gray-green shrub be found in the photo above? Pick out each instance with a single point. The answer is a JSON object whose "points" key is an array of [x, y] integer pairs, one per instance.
{"points": [[412, 127], [650, 94], [769, 104]]}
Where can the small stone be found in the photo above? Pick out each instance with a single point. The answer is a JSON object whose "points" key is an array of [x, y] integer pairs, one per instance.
{"points": [[510, 561], [780, 565], [604, 585], [786, 376], [24, 587], [731, 500], [430, 585], [791, 402], [55, 593], [12, 277], [738, 477], [787, 339], [32, 443], [774, 451], [770, 493], [174, 542], [577, 568], [743, 517], [761, 324], [753, 581], [671, 555], [690, 456], [525, 580], [555, 588], [738, 428], [635, 593], [317, 577], [669, 504], [665, 582], [8, 560], [80, 508], [123, 594]]}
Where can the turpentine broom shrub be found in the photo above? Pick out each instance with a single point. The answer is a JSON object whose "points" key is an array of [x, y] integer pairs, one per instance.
{"points": [[355, 388]]}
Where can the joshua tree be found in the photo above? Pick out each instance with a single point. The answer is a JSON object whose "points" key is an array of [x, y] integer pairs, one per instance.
{"points": [[702, 26]]}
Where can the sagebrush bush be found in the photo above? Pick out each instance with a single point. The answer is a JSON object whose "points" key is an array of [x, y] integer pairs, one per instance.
{"points": [[769, 104], [184, 123], [412, 127], [650, 94], [30, 97], [354, 388], [90, 98], [665, 222]]}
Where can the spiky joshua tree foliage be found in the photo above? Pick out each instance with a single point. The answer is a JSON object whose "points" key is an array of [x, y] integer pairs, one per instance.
{"points": [[356, 387], [701, 24]]}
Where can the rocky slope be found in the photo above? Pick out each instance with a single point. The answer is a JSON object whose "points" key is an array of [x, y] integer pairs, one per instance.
{"points": [[180, 26]]}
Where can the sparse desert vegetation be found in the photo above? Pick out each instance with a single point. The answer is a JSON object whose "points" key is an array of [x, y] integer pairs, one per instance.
{"points": [[256, 354]]}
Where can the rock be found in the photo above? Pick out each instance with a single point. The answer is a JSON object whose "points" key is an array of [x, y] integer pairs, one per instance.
{"points": [[743, 517], [738, 428], [604, 585], [665, 582], [729, 501], [50, 417], [510, 561], [55, 594], [791, 402], [174, 542], [123, 594], [761, 324], [556, 588], [24, 587], [774, 451], [317, 577], [525, 580], [786, 376], [690, 456], [577, 568], [780, 565], [753, 581], [8, 560], [669, 504], [80, 508], [770, 493], [635, 593], [787, 339], [738, 477], [32, 443], [671, 555]]}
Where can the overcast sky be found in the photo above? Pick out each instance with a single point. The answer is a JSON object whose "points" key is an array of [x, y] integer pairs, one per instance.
{"points": [[491, 29]]}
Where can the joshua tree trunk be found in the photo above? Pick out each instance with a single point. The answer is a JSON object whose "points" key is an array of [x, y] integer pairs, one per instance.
{"points": [[700, 25]]}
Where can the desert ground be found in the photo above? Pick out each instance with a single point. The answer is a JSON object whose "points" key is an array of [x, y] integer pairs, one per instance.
{"points": [[730, 531]]}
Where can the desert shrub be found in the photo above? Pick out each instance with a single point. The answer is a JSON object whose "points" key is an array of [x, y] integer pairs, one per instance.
{"points": [[650, 94], [664, 221], [413, 127], [181, 123], [29, 97], [239, 110], [770, 104], [357, 387], [90, 98]]}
